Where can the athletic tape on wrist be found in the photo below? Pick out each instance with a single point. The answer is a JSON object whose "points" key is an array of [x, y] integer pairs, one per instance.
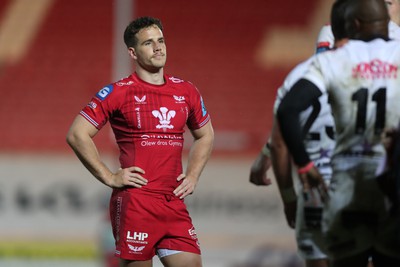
{"points": [[306, 168]]}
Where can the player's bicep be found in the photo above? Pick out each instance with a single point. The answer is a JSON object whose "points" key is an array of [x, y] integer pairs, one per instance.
{"points": [[206, 131], [82, 127]]}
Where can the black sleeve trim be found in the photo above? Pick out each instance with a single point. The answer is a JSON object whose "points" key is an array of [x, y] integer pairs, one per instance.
{"points": [[302, 95]]}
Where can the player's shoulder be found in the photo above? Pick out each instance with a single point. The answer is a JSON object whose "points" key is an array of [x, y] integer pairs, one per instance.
{"points": [[125, 82], [325, 39], [297, 72], [378, 46], [114, 88]]}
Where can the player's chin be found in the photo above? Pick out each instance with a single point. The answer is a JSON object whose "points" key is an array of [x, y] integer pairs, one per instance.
{"points": [[158, 61]]}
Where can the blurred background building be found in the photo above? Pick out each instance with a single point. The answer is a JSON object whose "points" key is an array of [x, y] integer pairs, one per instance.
{"points": [[56, 54]]}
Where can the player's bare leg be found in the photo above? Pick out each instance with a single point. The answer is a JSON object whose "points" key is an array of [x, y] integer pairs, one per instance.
{"points": [[128, 263], [182, 259], [317, 263]]}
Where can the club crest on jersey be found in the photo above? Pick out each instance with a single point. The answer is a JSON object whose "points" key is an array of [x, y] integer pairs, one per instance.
{"points": [[164, 115], [103, 93]]}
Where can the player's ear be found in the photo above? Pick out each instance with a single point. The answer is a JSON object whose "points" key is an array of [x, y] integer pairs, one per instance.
{"points": [[132, 52]]}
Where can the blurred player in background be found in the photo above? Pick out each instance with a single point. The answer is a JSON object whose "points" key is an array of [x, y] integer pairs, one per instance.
{"points": [[148, 112], [394, 10], [361, 80], [318, 127]]}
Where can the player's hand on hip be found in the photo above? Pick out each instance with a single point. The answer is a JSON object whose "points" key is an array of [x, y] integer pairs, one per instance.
{"points": [[186, 187], [313, 182], [258, 171], [131, 176]]}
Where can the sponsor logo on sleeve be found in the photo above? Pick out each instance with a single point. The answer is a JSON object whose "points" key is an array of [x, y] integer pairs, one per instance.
{"points": [[203, 107], [103, 93], [92, 105]]}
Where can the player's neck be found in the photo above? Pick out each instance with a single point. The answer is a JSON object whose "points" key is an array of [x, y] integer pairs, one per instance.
{"points": [[156, 78]]}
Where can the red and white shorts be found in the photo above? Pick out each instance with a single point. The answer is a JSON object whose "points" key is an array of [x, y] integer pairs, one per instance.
{"points": [[144, 222]]}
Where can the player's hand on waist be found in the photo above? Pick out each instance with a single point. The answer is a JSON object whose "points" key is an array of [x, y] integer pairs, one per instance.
{"points": [[131, 176], [186, 187]]}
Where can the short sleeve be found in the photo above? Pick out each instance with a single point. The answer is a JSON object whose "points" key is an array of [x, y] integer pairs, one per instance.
{"points": [[198, 115], [98, 110]]}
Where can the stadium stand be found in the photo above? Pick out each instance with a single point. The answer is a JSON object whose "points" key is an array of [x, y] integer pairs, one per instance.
{"points": [[211, 43]]}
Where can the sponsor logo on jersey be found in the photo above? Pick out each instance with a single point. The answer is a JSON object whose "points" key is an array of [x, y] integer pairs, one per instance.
{"points": [[137, 237], [162, 136], [139, 121], [136, 249], [203, 107], [124, 83], [179, 99], [164, 116], [375, 69], [103, 93], [140, 100], [192, 233]]}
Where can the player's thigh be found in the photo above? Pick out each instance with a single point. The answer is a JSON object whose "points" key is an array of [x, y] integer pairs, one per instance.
{"points": [[182, 259], [130, 263]]}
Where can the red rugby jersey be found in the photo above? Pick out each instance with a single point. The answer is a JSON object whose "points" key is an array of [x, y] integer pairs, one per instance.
{"points": [[148, 123]]}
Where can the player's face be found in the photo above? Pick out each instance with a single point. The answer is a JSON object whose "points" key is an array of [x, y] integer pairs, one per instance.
{"points": [[150, 51], [394, 10]]}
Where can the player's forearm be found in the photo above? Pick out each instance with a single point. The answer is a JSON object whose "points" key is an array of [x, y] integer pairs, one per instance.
{"points": [[86, 151], [280, 158], [281, 165]]}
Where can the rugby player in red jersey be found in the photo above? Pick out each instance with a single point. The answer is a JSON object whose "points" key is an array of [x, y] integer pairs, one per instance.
{"points": [[148, 112]]}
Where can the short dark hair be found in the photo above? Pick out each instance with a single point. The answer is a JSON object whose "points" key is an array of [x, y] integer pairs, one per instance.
{"points": [[136, 25], [338, 19]]}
